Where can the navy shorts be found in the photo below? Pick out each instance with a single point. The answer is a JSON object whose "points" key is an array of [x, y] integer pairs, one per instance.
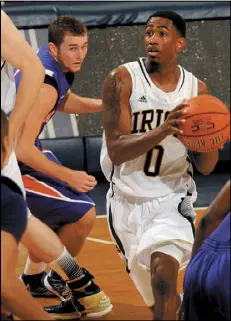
{"points": [[53, 201], [207, 284]]}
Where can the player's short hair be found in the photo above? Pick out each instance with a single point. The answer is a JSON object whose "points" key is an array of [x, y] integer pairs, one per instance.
{"points": [[176, 19], [4, 126], [58, 27]]}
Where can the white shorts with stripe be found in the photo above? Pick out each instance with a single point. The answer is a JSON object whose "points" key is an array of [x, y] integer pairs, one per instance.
{"points": [[141, 227]]}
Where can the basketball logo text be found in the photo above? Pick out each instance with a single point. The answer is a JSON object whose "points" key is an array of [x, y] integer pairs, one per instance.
{"points": [[201, 143], [202, 125]]}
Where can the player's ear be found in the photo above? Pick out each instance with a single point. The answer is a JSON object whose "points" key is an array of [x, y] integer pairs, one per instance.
{"points": [[53, 49], [180, 44]]}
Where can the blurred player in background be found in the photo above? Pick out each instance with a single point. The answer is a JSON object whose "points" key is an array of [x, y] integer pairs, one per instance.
{"points": [[149, 203], [56, 194], [14, 296], [207, 278], [38, 238]]}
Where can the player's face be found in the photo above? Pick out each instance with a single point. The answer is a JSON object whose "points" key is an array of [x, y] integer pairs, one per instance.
{"points": [[72, 52], [162, 41], [5, 151]]}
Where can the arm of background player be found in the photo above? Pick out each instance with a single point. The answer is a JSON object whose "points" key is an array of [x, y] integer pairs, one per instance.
{"points": [[30, 155], [26, 151], [122, 146], [14, 295], [214, 215], [16, 51], [74, 104], [205, 162]]}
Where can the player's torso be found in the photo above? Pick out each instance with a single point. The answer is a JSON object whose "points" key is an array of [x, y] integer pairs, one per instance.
{"points": [[8, 90], [164, 168], [53, 70]]}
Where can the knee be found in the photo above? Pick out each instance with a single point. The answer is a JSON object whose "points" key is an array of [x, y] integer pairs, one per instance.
{"points": [[164, 273], [86, 223], [34, 257]]}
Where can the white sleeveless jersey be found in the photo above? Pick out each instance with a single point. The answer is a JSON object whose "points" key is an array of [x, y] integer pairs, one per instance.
{"points": [[8, 94], [166, 168], [8, 89]]}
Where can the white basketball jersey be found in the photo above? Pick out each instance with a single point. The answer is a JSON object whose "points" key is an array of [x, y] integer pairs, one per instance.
{"points": [[166, 168], [8, 94], [8, 89]]}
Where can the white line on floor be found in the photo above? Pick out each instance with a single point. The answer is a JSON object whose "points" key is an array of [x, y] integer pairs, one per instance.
{"points": [[99, 241]]}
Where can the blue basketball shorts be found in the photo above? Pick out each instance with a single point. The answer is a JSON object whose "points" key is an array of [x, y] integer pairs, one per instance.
{"points": [[53, 201]]}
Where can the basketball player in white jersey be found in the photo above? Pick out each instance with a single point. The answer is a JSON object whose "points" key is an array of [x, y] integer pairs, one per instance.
{"points": [[149, 203], [16, 51], [39, 239]]}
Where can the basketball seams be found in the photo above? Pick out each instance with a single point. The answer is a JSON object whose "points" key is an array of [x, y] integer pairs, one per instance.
{"points": [[205, 113], [204, 117]]}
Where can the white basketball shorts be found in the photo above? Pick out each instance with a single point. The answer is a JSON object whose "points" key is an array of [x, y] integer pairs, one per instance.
{"points": [[141, 227]]}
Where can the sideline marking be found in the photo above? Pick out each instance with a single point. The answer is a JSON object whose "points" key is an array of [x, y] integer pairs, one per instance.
{"points": [[99, 240]]}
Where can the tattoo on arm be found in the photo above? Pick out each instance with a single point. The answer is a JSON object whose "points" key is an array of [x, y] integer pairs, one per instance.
{"points": [[111, 100]]}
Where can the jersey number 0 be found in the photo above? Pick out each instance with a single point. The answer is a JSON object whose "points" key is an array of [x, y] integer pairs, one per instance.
{"points": [[158, 160]]}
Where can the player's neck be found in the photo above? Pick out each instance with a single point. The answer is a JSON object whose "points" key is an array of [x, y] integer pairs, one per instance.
{"points": [[161, 74], [64, 69]]}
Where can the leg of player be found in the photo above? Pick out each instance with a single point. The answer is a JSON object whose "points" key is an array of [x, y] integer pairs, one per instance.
{"points": [[82, 288], [44, 248], [73, 236], [164, 272], [79, 287]]}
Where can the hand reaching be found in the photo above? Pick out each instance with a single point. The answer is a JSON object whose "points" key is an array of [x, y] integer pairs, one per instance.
{"points": [[81, 181]]}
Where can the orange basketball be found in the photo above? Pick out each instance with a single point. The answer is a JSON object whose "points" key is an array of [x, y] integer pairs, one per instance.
{"points": [[207, 125]]}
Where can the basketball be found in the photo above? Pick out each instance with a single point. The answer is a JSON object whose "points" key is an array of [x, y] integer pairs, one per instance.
{"points": [[207, 125]]}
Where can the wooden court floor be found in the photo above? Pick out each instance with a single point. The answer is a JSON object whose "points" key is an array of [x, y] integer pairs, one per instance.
{"points": [[100, 257]]}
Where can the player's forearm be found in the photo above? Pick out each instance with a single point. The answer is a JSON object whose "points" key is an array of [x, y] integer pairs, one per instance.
{"points": [[129, 147], [27, 94], [17, 299], [214, 215], [204, 229], [80, 105], [205, 162], [34, 158]]}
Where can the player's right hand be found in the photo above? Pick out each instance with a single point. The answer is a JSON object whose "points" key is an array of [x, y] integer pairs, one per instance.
{"points": [[81, 181], [170, 126]]}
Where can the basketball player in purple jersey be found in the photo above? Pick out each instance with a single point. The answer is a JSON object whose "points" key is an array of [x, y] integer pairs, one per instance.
{"points": [[56, 194], [207, 278]]}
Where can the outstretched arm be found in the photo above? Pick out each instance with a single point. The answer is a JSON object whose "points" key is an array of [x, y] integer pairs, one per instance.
{"points": [[214, 215], [16, 51], [30, 155], [74, 104]]}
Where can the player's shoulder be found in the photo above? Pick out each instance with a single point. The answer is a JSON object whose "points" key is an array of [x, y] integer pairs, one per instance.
{"points": [[202, 87], [120, 73]]}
